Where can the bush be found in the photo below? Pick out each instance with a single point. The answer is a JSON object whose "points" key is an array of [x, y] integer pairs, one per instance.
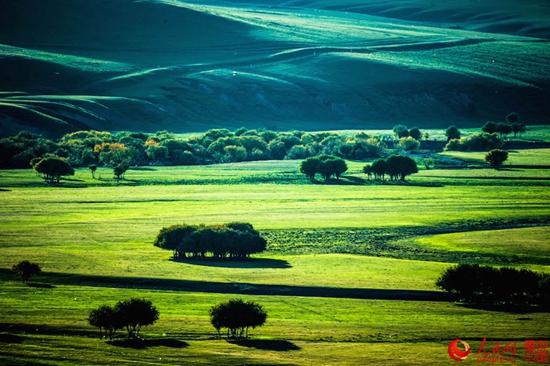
{"points": [[237, 316]]}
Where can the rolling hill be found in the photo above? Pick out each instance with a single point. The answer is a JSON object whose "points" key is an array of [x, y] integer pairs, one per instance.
{"points": [[151, 65]]}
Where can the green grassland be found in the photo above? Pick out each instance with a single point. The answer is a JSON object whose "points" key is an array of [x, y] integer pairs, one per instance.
{"points": [[189, 66], [326, 304]]}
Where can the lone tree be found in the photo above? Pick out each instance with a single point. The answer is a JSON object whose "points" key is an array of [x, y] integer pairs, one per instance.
{"points": [[106, 319], [26, 270], [53, 169], [452, 132], [237, 316], [496, 157], [135, 313]]}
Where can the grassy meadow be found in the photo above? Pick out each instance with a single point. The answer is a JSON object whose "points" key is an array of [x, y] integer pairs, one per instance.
{"points": [[348, 277]]}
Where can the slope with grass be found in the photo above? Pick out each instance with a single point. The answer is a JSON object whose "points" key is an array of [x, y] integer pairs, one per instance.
{"points": [[170, 64]]}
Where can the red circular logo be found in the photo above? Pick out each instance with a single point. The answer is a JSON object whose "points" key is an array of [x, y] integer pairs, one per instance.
{"points": [[456, 353]]}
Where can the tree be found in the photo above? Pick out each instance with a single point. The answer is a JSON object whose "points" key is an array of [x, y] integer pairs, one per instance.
{"points": [[398, 167], [518, 128], [504, 129], [26, 270], [53, 169], [489, 127], [135, 313], [309, 167], [512, 118], [93, 168], [400, 131], [452, 132], [496, 157], [237, 316], [119, 171], [415, 133], [379, 168], [106, 319]]}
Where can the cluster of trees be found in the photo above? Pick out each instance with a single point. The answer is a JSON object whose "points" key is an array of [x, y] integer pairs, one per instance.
{"points": [[326, 165], [402, 131], [237, 316], [237, 240], [26, 270], [396, 166], [512, 125], [490, 285], [130, 314]]}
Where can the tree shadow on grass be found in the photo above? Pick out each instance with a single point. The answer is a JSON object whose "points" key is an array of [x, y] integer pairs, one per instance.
{"points": [[147, 343], [10, 338], [266, 345], [251, 263]]}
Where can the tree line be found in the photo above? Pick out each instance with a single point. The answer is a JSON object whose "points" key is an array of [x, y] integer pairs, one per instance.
{"points": [[86, 148], [236, 240]]}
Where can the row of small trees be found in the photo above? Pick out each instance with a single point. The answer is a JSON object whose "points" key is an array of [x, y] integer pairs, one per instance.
{"points": [[237, 240], [326, 165], [490, 285]]}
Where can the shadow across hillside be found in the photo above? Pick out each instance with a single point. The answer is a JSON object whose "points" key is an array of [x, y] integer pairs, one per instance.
{"points": [[237, 287], [266, 344], [252, 263]]}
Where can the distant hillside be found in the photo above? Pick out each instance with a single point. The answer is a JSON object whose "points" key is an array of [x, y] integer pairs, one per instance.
{"points": [[152, 65]]}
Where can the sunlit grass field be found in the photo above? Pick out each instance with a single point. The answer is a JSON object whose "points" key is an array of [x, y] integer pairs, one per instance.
{"points": [[94, 241]]}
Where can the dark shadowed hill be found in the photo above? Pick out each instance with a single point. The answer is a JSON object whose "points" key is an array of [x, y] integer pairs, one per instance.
{"points": [[311, 64]]}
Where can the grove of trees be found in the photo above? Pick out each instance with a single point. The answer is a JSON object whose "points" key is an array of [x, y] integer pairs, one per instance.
{"points": [[237, 316], [236, 240], [325, 165], [131, 314], [396, 166], [490, 285]]}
